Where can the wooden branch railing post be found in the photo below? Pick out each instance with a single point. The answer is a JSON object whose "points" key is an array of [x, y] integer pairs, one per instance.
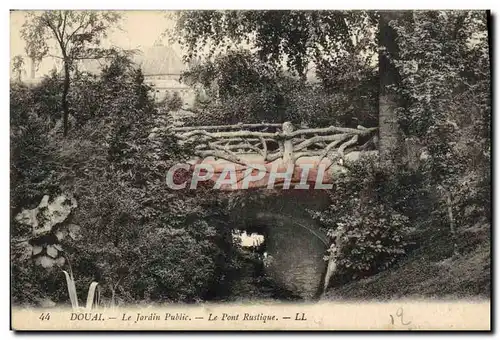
{"points": [[287, 143]]}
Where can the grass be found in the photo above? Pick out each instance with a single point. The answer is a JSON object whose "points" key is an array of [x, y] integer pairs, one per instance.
{"points": [[427, 273]]}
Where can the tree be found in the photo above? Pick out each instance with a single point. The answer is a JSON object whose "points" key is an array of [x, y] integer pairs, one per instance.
{"points": [[298, 37], [389, 77], [260, 62], [17, 66], [445, 82], [77, 34], [232, 74]]}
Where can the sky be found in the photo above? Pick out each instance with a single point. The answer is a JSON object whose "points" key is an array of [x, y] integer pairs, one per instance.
{"points": [[138, 29]]}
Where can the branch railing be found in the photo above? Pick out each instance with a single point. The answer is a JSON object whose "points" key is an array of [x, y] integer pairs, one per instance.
{"points": [[273, 141]]}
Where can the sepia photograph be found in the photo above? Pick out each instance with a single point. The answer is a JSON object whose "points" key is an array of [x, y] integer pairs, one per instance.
{"points": [[250, 170]]}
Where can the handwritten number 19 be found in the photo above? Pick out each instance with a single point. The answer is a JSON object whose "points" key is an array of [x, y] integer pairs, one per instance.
{"points": [[399, 314]]}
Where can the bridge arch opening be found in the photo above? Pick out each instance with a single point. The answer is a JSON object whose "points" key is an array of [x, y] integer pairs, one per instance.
{"points": [[293, 244]]}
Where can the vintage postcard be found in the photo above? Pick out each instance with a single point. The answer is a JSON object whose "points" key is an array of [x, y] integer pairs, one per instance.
{"points": [[250, 170]]}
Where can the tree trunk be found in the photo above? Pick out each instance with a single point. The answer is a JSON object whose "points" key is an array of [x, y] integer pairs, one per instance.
{"points": [[33, 68], [65, 98], [451, 218], [390, 139], [331, 267]]}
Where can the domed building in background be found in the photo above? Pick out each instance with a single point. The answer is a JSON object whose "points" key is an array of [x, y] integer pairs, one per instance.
{"points": [[161, 65], [162, 68]]}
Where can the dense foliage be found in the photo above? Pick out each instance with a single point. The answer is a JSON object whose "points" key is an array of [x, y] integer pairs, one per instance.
{"points": [[445, 80], [239, 87], [309, 67], [298, 37], [145, 243], [138, 235], [375, 233]]}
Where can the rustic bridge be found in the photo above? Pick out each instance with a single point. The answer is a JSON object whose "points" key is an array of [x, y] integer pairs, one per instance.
{"points": [[295, 241], [276, 148]]}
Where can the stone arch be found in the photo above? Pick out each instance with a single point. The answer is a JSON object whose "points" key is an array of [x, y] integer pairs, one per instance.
{"points": [[295, 242]]}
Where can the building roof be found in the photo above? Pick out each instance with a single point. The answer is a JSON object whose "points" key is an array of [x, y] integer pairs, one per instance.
{"points": [[160, 59], [155, 60]]}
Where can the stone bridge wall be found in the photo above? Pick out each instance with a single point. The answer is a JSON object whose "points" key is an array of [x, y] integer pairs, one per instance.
{"points": [[296, 248], [294, 242]]}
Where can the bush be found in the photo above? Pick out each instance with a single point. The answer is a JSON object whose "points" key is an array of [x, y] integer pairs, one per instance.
{"points": [[173, 102], [140, 240], [368, 240], [368, 234], [32, 153]]}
